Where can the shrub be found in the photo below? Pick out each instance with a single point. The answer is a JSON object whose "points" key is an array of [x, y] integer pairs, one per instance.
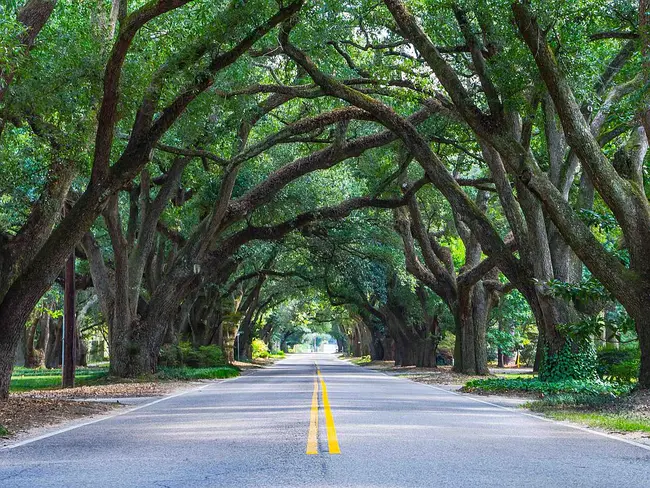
{"points": [[620, 365], [169, 356], [211, 356], [184, 354], [260, 349]]}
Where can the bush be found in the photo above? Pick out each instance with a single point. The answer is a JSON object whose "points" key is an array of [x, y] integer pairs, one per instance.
{"points": [[169, 356], [184, 354], [211, 356], [260, 349], [621, 365], [534, 385]]}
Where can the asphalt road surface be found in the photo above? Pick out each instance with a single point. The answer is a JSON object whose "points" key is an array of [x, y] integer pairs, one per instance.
{"points": [[283, 427]]}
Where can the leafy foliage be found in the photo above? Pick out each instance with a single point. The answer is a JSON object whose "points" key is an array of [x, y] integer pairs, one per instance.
{"points": [[185, 354], [575, 361], [592, 388], [620, 365]]}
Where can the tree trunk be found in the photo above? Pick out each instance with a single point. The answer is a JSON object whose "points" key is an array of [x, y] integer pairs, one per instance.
{"points": [[471, 313], [642, 323], [20, 359], [135, 356], [389, 348], [377, 352], [53, 351]]}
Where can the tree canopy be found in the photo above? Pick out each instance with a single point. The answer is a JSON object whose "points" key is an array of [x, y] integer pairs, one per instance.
{"points": [[390, 172]]}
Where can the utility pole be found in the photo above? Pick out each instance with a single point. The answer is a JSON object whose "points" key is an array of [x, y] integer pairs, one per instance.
{"points": [[69, 332]]}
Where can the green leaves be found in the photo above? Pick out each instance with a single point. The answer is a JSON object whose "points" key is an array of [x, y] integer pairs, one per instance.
{"points": [[575, 361], [593, 388]]}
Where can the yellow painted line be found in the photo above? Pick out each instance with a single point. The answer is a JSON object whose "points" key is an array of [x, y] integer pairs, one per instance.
{"points": [[312, 438], [332, 439]]}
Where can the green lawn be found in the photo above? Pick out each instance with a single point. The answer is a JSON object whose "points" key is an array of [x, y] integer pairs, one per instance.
{"points": [[609, 421], [25, 379]]}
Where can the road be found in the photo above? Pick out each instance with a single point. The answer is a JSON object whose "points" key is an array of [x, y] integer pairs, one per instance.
{"points": [[256, 430]]}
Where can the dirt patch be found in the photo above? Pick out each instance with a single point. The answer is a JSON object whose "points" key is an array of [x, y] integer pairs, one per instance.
{"points": [[442, 375], [636, 404], [20, 413], [40, 408]]}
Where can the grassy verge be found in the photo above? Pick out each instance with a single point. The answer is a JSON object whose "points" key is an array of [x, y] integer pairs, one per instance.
{"points": [[618, 422], [361, 361], [220, 372], [533, 385], [25, 379], [609, 406]]}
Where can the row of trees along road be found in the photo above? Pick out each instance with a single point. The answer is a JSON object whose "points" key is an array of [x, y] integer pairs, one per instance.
{"points": [[405, 164]]}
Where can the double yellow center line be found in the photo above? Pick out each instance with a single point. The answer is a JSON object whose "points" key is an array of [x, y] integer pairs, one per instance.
{"points": [[312, 437]]}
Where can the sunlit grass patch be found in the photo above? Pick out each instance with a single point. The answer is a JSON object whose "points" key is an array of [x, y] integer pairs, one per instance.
{"points": [[26, 379], [610, 421]]}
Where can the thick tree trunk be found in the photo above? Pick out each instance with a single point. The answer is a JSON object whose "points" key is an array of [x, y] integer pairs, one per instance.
{"points": [[20, 358], [389, 348], [136, 356], [377, 352], [642, 322], [53, 351], [471, 314]]}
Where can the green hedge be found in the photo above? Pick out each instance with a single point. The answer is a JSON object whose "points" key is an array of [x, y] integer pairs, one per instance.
{"points": [[185, 354]]}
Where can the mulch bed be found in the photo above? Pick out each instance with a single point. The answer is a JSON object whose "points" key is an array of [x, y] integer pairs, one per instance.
{"points": [[111, 390], [40, 408], [636, 404], [442, 375]]}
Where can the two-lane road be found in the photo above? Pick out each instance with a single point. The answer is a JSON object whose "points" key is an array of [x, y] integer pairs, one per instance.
{"points": [[277, 426]]}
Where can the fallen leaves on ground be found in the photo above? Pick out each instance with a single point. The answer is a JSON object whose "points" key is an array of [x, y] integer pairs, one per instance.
{"points": [[21, 413], [636, 404], [441, 375], [111, 390]]}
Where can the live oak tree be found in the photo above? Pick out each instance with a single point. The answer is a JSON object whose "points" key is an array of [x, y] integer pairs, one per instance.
{"points": [[33, 256]]}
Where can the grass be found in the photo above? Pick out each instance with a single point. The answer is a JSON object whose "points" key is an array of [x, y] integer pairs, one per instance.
{"points": [[25, 379], [3, 431], [184, 373], [618, 422], [362, 360]]}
